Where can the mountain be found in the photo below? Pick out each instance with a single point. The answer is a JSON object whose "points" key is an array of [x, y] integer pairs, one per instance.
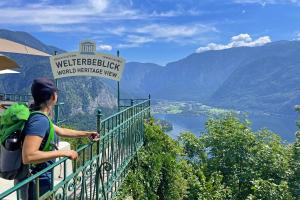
{"points": [[263, 79], [269, 84], [136, 81], [195, 77], [255, 79], [79, 94]]}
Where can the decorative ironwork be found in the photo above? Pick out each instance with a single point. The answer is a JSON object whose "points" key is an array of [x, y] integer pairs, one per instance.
{"points": [[107, 167]]}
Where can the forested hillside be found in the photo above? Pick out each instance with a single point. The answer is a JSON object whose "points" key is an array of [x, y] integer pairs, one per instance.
{"points": [[229, 161]]}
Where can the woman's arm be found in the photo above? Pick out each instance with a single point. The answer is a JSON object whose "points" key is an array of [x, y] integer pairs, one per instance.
{"points": [[31, 153], [65, 132]]}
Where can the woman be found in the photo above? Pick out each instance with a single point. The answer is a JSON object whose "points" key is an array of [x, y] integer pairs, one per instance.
{"points": [[36, 133]]}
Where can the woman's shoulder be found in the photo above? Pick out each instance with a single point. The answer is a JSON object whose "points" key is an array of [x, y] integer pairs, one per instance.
{"points": [[37, 124], [38, 117]]}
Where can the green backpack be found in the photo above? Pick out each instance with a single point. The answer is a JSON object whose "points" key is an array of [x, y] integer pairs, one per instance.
{"points": [[12, 123]]}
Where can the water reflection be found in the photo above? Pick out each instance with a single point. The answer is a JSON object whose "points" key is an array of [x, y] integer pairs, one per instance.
{"points": [[285, 126]]}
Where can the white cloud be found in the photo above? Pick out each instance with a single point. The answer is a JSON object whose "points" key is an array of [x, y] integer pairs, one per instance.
{"points": [[138, 39], [49, 12], [176, 13], [93, 11], [106, 19], [188, 33], [43, 16], [119, 30], [182, 34], [99, 5], [265, 2], [242, 40], [64, 29], [171, 31], [105, 47], [135, 41], [298, 37]]}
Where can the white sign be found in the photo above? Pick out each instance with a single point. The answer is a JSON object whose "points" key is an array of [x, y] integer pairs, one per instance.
{"points": [[87, 63]]}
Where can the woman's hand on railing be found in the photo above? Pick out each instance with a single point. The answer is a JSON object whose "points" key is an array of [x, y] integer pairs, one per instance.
{"points": [[70, 133], [93, 136], [73, 155]]}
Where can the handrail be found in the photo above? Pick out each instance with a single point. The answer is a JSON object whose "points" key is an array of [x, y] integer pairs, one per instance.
{"points": [[15, 97], [145, 100], [102, 165]]}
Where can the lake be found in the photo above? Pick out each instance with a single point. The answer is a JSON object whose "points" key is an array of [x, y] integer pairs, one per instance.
{"points": [[285, 126]]}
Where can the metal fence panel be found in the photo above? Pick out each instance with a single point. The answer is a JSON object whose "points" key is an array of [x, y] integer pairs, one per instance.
{"points": [[102, 166]]}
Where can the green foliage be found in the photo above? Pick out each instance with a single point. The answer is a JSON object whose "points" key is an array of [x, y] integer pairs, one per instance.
{"points": [[214, 189], [294, 182], [164, 124], [267, 189], [228, 161], [242, 156], [193, 147], [156, 174]]}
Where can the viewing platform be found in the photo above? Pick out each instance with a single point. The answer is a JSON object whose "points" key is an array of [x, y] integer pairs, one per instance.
{"points": [[101, 166]]}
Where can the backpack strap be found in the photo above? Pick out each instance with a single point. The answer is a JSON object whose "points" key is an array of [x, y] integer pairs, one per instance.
{"points": [[50, 136]]}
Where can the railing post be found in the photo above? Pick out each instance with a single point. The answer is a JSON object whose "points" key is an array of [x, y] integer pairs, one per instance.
{"points": [[99, 115], [131, 102], [118, 86]]}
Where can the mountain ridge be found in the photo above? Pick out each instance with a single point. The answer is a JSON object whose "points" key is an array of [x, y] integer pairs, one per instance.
{"points": [[205, 77], [229, 78]]}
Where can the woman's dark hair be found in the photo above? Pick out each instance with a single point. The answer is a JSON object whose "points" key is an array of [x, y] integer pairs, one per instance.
{"points": [[41, 89], [34, 107]]}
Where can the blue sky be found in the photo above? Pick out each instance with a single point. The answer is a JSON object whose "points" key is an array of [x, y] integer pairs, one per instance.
{"points": [[158, 31]]}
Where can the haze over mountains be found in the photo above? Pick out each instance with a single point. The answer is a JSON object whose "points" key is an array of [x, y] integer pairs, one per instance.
{"points": [[260, 79]]}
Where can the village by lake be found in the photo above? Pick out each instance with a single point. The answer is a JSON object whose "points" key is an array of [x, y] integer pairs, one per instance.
{"points": [[191, 116]]}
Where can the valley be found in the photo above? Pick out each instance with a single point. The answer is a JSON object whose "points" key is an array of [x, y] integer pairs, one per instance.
{"points": [[191, 116]]}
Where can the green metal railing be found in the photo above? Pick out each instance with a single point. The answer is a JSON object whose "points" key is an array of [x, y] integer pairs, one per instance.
{"points": [[15, 97], [125, 103], [102, 166]]}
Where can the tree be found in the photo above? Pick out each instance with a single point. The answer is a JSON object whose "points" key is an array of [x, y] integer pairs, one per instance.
{"points": [[228, 161], [267, 189], [241, 156], [295, 167], [229, 144], [156, 174]]}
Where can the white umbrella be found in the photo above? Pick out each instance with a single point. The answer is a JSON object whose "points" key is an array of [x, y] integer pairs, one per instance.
{"points": [[7, 63], [8, 71], [13, 47]]}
